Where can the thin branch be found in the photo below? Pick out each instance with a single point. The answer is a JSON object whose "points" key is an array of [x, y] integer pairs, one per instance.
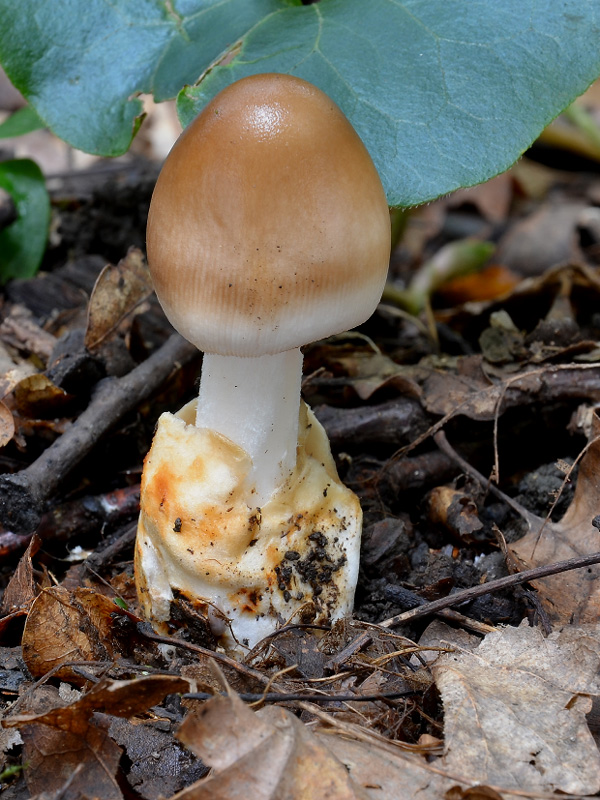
{"points": [[464, 596], [25, 495]]}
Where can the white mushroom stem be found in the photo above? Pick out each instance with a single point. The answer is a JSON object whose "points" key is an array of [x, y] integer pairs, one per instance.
{"points": [[255, 402]]}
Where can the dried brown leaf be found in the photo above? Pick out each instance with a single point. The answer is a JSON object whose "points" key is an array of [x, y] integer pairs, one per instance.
{"points": [[270, 755], [7, 425], [36, 396], [369, 372], [514, 712], [492, 199], [572, 596], [385, 772], [474, 396], [64, 627], [118, 698], [22, 588], [117, 293], [60, 741], [84, 763]]}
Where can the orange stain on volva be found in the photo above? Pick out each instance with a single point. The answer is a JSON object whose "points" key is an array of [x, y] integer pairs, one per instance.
{"points": [[157, 493]]}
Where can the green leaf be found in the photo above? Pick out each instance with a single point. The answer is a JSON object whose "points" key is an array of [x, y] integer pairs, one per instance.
{"points": [[444, 93], [25, 120], [82, 63], [22, 244]]}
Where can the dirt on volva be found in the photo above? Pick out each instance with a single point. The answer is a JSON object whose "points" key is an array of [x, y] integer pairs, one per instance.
{"points": [[459, 429]]}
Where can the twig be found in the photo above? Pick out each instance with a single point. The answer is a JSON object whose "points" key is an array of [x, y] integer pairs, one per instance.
{"points": [[404, 597], [145, 630], [497, 585], [276, 697], [441, 441], [24, 495], [457, 598]]}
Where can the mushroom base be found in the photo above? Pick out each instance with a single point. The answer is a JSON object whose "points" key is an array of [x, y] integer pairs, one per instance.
{"points": [[246, 570]]}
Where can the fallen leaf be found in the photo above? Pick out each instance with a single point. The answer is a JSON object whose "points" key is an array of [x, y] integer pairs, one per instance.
{"points": [[473, 395], [73, 741], [20, 330], [66, 740], [572, 596], [491, 283], [514, 712], [383, 771], [117, 293], [359, 371], [118, 698], [72, 764], [268, 755], [37, 397], [22, 587], [7, 425], [86, 764], [271, 755], [492, 199], [64, 627]]}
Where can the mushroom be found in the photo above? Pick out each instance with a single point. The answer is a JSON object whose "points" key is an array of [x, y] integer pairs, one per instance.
{"points": [[268, 229]]}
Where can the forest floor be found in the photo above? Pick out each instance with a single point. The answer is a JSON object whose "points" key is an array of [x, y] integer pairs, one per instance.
{"points": [[469, 433]]}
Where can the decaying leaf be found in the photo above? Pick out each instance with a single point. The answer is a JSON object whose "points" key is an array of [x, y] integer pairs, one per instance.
{"points": [[118, 698], [267, 756], [7, 425], [545, 238], [364, 369], [22, 589], [456, 510], [515, 711], [86, 764], [117, 293], [64, 627], [386, 772], [572, 596], [65, 741], [36, 396], [20, 330], [271, 755], [472, 394]]}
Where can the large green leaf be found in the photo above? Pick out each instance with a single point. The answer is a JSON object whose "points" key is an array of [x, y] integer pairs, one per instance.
{"points": [[22, 243], [445, 93], [81, 63]]}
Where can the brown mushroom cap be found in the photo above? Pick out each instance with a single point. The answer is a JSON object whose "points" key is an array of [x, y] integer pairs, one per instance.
{"points": [[268, 227]]}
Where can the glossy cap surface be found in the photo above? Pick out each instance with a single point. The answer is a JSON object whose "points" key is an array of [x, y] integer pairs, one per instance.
{"points": [[268, 227]]}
